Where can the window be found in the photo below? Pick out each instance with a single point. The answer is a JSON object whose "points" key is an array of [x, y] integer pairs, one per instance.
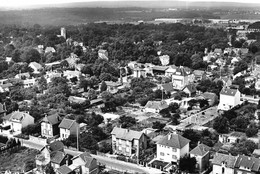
{"points": [[223, 170], [161, 153], [174, 157], [174, 150]]}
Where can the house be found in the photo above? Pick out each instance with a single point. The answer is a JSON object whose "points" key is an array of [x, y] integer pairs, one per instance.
{"points": [[17, 120], [74, 99], [229, 98], [172, 147], [246, 164], [84, 164], [128, 142], [190, 89], [49, 49], [155, 106], [5, 87], [68, 127], [165, 59], [199, 75], [22, 76], [202, 155], [223, 164], [52, 154], [29, 82], [233, 137], [112, 87], [51, 74], [212, 98], [159, 70], [168, 88], [257, 85], [72, 60], [64, 170], [172, 69], [36, 67], [218, 51], [53, 65], [181, 77], [50, 125], [257, 115], [139, 72], [103, 54], [70, 74], [227, 81]]}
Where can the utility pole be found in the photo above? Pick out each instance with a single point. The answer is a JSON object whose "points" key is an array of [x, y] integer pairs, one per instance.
{"points": [[77, 137]]}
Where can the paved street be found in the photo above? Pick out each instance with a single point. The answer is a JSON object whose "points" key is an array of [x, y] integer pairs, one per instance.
{"points": [[109, 162]]}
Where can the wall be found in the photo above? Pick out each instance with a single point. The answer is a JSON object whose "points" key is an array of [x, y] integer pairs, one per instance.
{"points": [[41, 141]]}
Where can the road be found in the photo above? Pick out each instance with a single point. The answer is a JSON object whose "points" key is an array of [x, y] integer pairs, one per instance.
{"points": [[108, 162]]}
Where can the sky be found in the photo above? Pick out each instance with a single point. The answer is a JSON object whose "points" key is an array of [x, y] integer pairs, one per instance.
{"points": [[24, 3]]}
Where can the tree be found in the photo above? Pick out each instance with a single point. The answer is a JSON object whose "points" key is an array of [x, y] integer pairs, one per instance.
{"points": [[103, 86], [221, 124], [158, 125], [187, 164], [244, 147], [42, 83], [252, 130], [127, 121], [31, 55], [193, 136]]}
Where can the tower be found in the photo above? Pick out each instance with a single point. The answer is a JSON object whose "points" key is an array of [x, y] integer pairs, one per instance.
{"points": [[63, 32]]}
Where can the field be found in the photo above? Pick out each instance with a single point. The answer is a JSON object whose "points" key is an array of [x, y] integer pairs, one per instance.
{"points": [[19, 161]]}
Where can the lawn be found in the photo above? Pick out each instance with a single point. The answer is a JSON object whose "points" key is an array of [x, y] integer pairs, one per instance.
{"points": [[19, 161]]}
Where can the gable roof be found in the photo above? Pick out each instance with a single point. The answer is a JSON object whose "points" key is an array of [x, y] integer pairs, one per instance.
{"points": [[198, 72], [86, 157], [181, 71], [209, 95], [200, 150], [36, 65], [220, 158], [228, 91], [52, 119], [64, 170], [67, 123], [156, 105], [174, 140], [17, 116], [57, 157], [126, 134], [248, 162], [168, 87], [191, 88], [160, 68]]}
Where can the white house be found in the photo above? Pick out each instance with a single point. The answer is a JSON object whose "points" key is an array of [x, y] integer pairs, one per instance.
{"points": [[172, 147], [172, 69], [68, 127], [17, 120], [202, 155], [155, 106], [29, 82], [36, 67], [84, 163], [223, 164], [182, 77], [70, 74], [229, 98]]}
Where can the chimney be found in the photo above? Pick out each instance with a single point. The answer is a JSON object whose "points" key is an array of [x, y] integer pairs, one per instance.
{"points": [[169, 136]]}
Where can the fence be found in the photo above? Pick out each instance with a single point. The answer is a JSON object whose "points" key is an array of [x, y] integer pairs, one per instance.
{"points": [[38, 139]]}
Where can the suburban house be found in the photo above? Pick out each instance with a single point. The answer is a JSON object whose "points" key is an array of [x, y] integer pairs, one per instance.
{"points": [[51, 74], [199, 75], [159, 70], [64, 170], [68, 127], [5, 87], [155, 106], [228, 164], [181, 77], [22, 76], [168, 88], [84, 164], [74, 99], [229, 98], [172, 147], [36, 67], [172, 69], [17, 120], [52, 154], [49, 49], [128, 142], [29, 82], [139, 72], [246, 164], [70, 74], [50, 125], [202, 155], [223, 164], [233, 137], [103, 54], [72, 60], [112, 87], [190, 89]]}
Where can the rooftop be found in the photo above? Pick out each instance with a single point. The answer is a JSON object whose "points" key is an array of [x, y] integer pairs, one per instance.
{"points": [[220, 158], [200, 150], [126, 134], [67, 123], [174, 141], [227, 91]]}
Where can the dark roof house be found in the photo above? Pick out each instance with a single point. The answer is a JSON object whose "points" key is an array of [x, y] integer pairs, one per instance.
{"points": [[67, 123], [174, 140], [200, 150], [126, 134]]}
